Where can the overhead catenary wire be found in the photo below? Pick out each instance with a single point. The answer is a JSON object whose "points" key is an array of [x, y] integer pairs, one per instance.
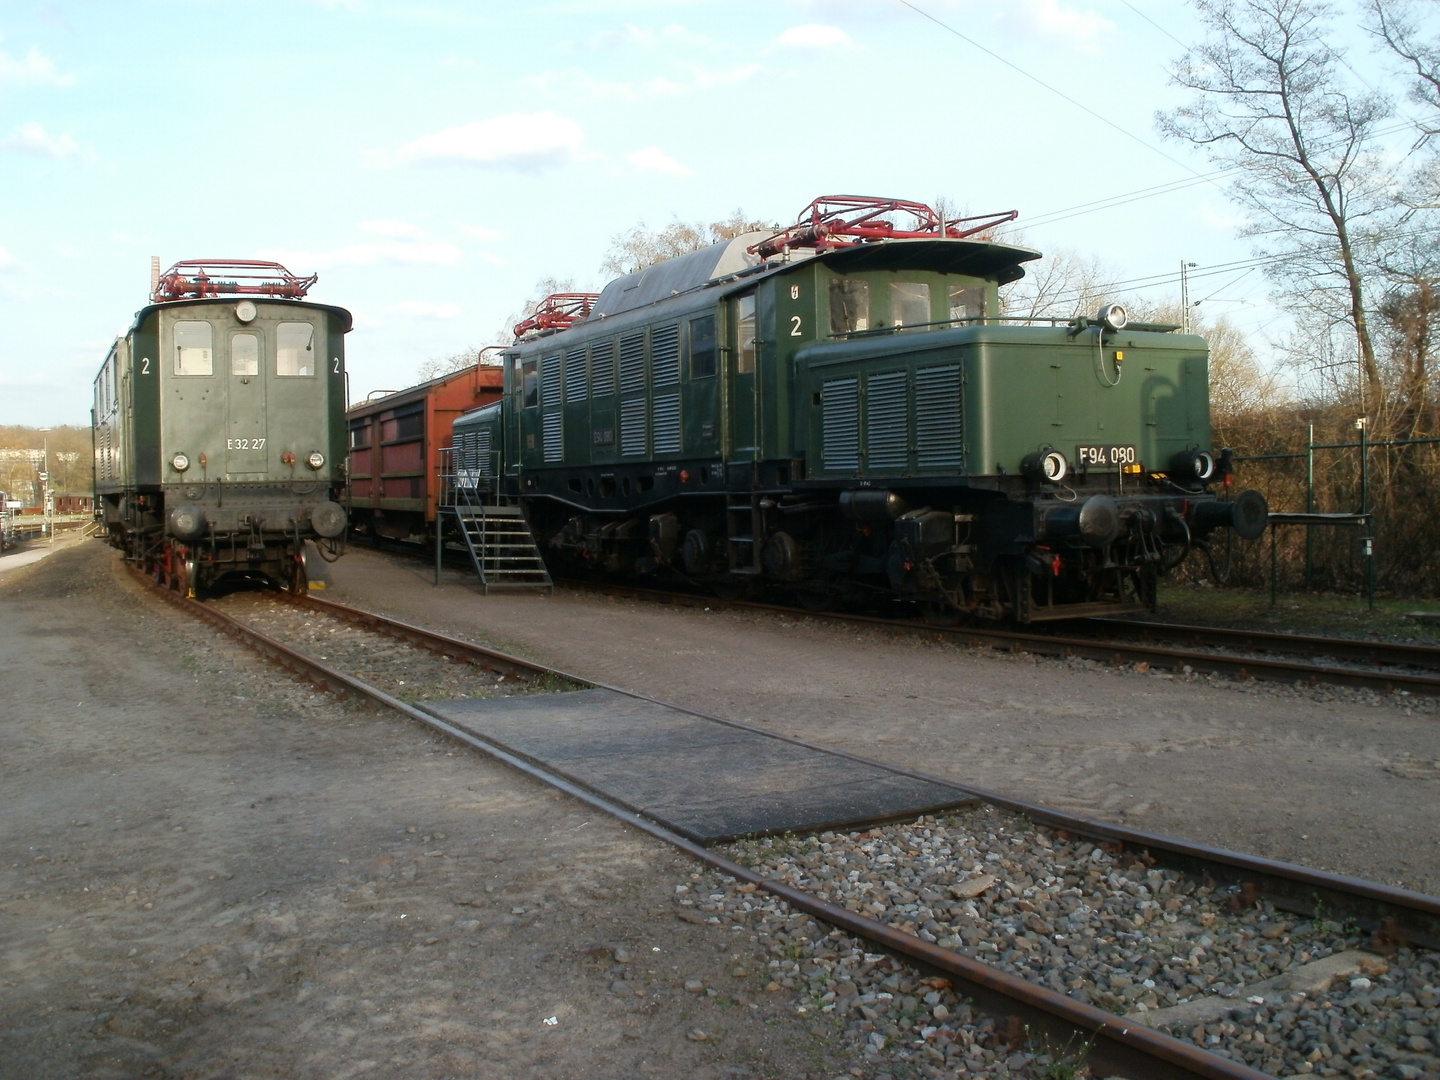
{"points": [[1052, 89]]}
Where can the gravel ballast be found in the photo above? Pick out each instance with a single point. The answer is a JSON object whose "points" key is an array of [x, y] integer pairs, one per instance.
{"points": [[1112, 930]]}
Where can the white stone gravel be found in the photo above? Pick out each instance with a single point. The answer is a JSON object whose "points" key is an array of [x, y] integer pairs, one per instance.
{"points": [[1110, 929]]}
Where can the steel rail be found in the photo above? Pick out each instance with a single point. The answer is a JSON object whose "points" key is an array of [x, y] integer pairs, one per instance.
{"points": [[1119, 1044], [1298, 889], [1108, 651], [1355, 650], [1294, 888]]}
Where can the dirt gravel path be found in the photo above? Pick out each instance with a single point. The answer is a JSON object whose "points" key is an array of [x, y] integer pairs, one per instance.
{"points": [[1348, 781], [209, 870]]}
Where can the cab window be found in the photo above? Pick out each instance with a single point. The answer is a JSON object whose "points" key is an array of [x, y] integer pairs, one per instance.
{"points": [[244, 355], [849, 305], [194, 351], [967, 301], [909, 303], [702, 347], [745, 331], [295, 349], [530, 376]]}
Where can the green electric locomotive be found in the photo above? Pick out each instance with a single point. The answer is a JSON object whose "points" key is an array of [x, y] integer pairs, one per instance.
{"points": [[842, 409], [219, 426]]}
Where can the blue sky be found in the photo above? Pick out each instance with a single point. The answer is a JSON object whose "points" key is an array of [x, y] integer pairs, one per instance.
{"points": [[433, 161]]}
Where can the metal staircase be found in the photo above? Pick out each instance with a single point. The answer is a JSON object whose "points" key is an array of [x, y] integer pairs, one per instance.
{"points": [[495, 531], [500, 545]]}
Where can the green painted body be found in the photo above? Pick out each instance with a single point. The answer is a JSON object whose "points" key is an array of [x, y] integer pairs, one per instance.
{"points": [[889, 430], [246, 430], [1021, 388]]}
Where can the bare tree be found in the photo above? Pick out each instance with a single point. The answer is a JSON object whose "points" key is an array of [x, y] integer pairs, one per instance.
{"points": [[437, 366], [1063, 285], [1270, 103], [640, 246], [1396, 24]]}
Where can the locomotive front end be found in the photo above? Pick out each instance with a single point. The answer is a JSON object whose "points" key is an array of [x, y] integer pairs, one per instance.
{"points": [[228, 448]]}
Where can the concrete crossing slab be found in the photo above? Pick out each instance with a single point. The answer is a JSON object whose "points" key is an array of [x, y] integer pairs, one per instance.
{"points": [[705, 779]]}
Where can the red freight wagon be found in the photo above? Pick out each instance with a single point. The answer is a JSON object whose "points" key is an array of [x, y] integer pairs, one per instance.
{"points": [[395, 444]]}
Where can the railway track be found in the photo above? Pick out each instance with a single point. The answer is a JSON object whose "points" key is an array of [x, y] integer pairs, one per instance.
{"points": [[1241, 654], [397, 665]]}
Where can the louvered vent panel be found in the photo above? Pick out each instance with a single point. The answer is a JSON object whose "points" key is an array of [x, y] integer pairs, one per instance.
{"points": [[632, 428], [575, 380], [887, 436], [840, 424], [482, 452], [939, 433], [632, 363], [665, 355], [602, 369], [554, 450], [550, 381], [667, 423]]}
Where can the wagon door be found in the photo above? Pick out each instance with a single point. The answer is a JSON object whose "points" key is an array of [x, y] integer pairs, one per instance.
{"points": [[740, 401], [245, 450]]}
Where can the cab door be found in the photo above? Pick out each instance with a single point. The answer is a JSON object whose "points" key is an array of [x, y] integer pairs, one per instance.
{"points": [[245, 451], [741, 403]]}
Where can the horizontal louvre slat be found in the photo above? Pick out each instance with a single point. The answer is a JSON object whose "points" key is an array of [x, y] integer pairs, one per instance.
{"points": [[632, 362], [665, 355], [939, 418], [666, 429], [575, 378], [632, 428], [550, 381], [602, 369], [554, 449], [887, 436], [840, 424]]}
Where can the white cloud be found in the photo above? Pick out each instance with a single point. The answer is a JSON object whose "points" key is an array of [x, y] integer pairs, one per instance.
{"points": [[574, 83], [1223, 218], [640, 37], [518, 140], [394, 253], [1052, 19], [8, 261], [424, 309], [815, 36], [480, 232], [396, 230], [35, 69], [31, 138], [653, 159]]}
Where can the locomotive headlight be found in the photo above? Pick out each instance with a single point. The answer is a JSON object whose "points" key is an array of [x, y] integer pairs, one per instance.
{"points": [[1048, 465], [1112, 317], [180, 462], [315, 460], [1192, 465], [245, 311]]}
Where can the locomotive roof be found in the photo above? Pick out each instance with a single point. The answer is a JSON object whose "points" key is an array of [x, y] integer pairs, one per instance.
{"points": [[347, 320], [977, 258], [678, 275]]}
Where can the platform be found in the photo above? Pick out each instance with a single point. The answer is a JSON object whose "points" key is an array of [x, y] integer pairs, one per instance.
{"points": [[706, 779]]}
